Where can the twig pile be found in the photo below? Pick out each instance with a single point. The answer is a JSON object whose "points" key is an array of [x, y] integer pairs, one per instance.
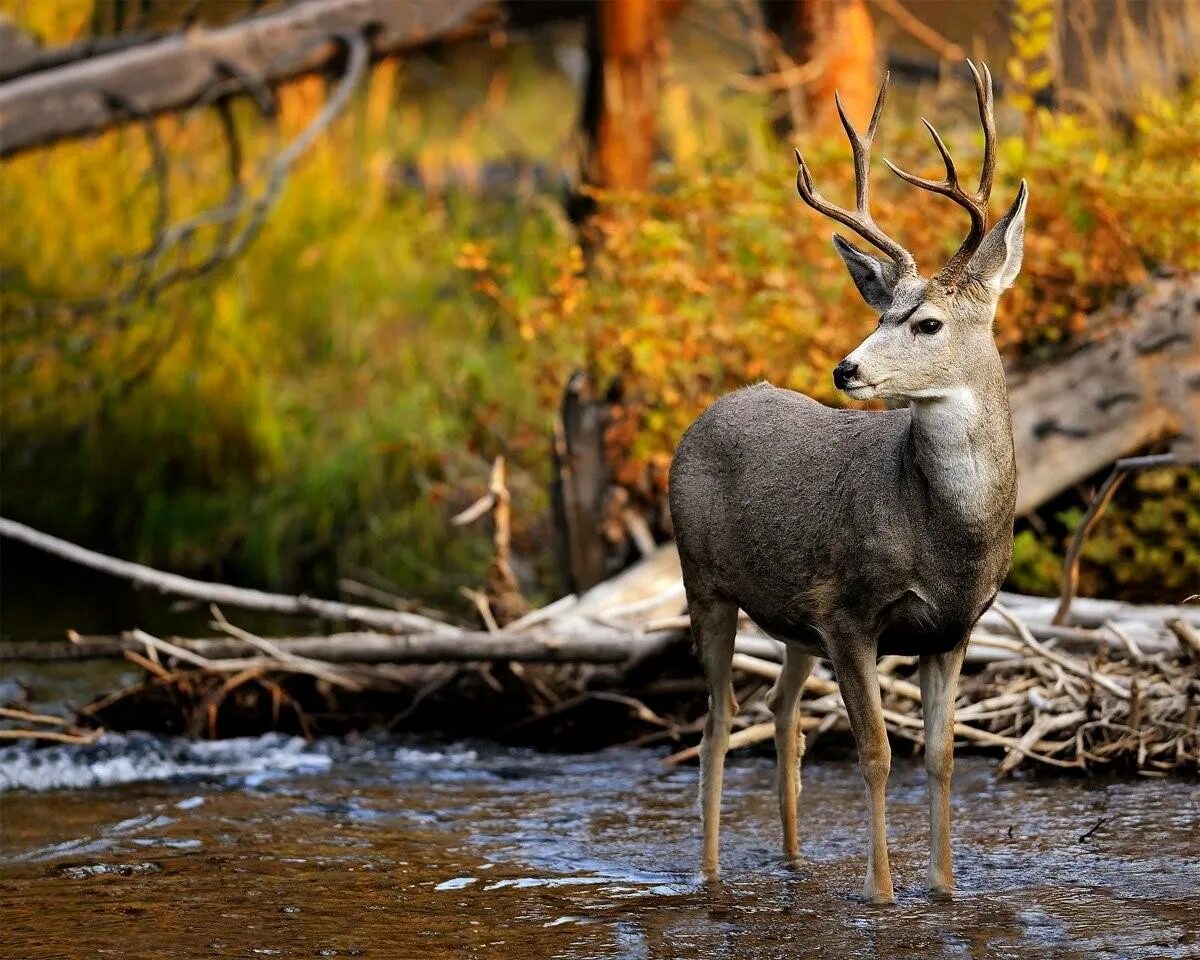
{"points": [[1104, 707], [1105, 685]]}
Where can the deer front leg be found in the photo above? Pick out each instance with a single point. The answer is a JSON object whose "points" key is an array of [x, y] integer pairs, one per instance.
{"points": [[784, 701], [939, 687], [714, 625], [859, 682]]}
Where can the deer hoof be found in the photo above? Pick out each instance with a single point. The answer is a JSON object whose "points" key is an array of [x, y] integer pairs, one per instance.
{"points": [[941, 890]]}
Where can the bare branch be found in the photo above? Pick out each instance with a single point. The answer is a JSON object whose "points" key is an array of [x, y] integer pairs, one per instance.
{"points": [[218, 592], [1108, 489]]}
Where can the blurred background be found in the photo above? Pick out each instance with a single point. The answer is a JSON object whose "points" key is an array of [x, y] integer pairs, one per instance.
{"points": [[270, 322]]}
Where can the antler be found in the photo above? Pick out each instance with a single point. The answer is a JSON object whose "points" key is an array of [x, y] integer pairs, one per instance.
{"points": [[859, 220], [976, 204]]}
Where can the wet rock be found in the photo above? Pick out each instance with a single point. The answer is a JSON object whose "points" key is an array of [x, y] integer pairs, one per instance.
{"points": [[85, 871]]}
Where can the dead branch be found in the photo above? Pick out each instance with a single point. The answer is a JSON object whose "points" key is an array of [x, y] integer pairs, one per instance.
{"points": [[174, 72], [501, 602], [12, 713], [1121, 469], [54, 736], [41, 726], [920, 31], [230, 596]]}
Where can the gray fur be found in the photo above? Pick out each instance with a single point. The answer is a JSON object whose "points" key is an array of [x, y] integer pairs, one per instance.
{"points": [[829, 526]]}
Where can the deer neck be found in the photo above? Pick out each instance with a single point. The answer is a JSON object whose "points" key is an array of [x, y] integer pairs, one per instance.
{"points": [[961, 447]]}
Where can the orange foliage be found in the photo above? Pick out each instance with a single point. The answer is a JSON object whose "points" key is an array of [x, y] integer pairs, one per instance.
{"points": [[721, 279]]}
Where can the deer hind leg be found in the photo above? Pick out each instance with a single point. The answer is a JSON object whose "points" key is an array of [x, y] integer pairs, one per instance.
{"points": [[784, 701], [714, 624], [859, 683], [939, 686]]}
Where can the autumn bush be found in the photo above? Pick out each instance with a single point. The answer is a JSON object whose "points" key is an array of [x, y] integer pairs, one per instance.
{"points": [[722, 277], [316, 408]]}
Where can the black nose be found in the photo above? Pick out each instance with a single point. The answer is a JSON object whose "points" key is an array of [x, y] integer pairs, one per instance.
{"points": [[843, 373]]}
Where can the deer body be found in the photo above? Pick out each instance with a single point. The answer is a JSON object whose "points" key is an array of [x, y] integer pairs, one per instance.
{"points": [[851, 534], [820, 522]]}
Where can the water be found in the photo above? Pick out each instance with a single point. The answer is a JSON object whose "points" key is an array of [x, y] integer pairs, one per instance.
{"points": [[273, 847]]}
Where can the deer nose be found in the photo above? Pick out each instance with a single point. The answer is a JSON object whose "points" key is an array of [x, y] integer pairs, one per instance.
{"points": [[843, 373]]}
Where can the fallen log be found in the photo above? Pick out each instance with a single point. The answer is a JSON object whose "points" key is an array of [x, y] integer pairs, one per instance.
{"points": [[578, 642], [174, 72], [1133, 382], [629, 616], [1093, 612]]}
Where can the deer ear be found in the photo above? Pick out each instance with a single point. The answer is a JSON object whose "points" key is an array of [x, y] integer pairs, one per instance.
{"points": [[998, 259], [875, 278]]}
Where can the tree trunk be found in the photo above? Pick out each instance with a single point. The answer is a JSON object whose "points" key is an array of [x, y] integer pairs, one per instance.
{"points": [[836, 39], [582, 477], [621, 96]]}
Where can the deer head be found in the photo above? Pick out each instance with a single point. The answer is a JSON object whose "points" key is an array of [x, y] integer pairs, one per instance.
{"points": [[934, 333]]}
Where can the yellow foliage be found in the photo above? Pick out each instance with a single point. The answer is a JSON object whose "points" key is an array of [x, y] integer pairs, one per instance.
{"points": [[50, 21]]}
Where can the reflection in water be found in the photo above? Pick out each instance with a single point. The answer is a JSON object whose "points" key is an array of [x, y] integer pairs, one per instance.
{"points": [[386, 851]]}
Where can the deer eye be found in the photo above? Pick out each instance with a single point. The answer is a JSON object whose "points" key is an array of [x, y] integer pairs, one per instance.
{"points": [[929, 325]]}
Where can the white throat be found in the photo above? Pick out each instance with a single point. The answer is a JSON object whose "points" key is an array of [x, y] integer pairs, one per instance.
{"points": [[963, 449]]}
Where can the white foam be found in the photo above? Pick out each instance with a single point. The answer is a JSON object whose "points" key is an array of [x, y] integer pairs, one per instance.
{"points": [[118, 758]]}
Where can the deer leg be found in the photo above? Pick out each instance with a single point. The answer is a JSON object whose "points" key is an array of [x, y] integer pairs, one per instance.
{"points": [[939, 685], [784, 701], [859, 684], [714, 624]]}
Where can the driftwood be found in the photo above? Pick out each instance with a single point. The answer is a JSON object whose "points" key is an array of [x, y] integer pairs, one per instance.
{"points": [[1046, 707], [621, 619], [578, 642], [41, 726], [1116, 684], [174, 72], [1133, 383], [391, 620]]}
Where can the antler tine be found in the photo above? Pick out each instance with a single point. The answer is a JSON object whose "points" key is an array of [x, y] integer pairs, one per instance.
{"points": [[987, 117], [859, 220], [948, 187], [976, 204]]}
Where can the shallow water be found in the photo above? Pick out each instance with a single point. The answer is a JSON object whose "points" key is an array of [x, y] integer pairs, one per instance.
{"points": [[273, 847]]}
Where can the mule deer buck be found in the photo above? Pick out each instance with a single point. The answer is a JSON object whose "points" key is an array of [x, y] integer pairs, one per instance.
{"points": [[851, 534]]}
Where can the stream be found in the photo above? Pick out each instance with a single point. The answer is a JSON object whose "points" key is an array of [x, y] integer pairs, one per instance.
{"points": [[143, 847], [272, 847]]}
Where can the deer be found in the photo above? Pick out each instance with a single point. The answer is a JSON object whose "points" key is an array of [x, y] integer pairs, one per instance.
{"points": [[852, 534]]}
